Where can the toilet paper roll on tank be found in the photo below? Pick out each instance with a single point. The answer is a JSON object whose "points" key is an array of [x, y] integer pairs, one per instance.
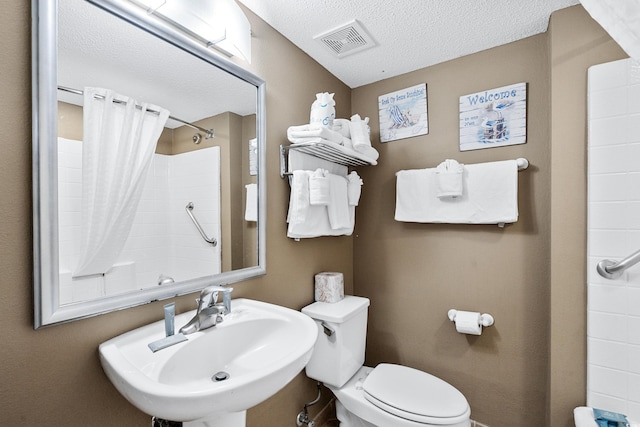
{"points": [[470, 322], [329, 287]]}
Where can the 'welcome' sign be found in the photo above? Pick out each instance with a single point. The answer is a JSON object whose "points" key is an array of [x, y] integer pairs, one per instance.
{"points": [[494, 118]]}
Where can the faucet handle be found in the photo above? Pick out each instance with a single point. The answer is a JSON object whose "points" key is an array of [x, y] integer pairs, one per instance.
{"points": [[226, 300], [209, 297]]}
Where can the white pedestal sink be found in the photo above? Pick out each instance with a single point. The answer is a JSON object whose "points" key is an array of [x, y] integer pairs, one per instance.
{"points": [[260, 346]]}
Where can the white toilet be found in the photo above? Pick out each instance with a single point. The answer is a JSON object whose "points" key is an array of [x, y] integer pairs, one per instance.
{"points": [[385, 396]]}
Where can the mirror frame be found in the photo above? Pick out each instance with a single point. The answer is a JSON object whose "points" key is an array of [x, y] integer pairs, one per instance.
{"points": [[47, 309]]}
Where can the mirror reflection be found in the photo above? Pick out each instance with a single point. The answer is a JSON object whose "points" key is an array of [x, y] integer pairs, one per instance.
{"points": [[157, 161]]}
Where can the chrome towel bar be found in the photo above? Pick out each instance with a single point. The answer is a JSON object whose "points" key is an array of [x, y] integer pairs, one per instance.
{"points": [[612, 270], [207, 239]]}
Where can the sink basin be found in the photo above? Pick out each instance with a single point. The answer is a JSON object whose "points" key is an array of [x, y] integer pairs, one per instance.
{"points": [[260, 346]]}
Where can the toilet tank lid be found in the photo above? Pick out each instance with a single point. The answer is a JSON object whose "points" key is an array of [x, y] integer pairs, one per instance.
{"points": [[336, 312]]}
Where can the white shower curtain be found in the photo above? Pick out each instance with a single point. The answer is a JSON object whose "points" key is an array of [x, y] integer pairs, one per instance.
{"points": [[619, 18], [118, 144]]}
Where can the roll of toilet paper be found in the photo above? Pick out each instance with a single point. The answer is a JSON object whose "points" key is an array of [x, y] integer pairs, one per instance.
{"points": [[329, 287], [468, 322]]}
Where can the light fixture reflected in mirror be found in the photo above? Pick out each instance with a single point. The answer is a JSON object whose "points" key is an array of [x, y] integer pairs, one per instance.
{"points": [[219, 24]]}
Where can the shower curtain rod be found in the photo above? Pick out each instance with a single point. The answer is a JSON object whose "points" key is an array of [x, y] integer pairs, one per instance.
{"points": [[208, 132]]}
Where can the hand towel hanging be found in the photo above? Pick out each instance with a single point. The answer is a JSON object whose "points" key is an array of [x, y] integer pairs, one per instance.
{"points": [[490, 196]]}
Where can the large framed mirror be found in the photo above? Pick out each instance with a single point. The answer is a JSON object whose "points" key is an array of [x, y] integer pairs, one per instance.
{"points": [[185, 208]]}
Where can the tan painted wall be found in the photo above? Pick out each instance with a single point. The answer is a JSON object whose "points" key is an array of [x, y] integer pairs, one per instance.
{"points": [[52, 376], [415, 273]]}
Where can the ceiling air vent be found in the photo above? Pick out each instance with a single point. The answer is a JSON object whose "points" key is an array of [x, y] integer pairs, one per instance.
{"points": [[347, 39]]}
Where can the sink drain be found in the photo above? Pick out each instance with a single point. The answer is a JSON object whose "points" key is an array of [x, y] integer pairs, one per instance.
{"points": [[220, 376]]}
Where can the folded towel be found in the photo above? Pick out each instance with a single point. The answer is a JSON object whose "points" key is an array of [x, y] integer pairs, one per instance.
{"points": [[251, 207], [609, 419], [299, 197], [306, 220], [297, 134], [368, 152], [338, 207], [346, 142], [449, 179], [490, 196], [342, 126], [319, 188], [359, 132], [354, 188]]}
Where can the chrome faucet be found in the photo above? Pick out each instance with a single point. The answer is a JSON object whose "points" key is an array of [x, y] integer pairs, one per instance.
{"points": [[210, 311]]}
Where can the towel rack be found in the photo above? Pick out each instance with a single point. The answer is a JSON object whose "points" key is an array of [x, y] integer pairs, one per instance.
{"points": [[522, 163], [211, 240], [320, 150], [612, 270]]}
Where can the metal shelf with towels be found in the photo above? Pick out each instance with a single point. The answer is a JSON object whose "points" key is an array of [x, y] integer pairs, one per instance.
{"points": [[321, 150], [324, 193]]}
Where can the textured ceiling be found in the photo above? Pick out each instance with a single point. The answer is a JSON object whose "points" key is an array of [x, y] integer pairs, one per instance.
{"points": [[409, 34]]}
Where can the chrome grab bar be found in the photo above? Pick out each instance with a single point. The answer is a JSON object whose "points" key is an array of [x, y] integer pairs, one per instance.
{"points": [[612, 270], [211, 240]]}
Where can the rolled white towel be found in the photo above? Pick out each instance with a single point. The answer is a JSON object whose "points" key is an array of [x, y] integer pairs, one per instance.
{"points": [[359, 132], [319, 188], [369, 152], [449, 182]]}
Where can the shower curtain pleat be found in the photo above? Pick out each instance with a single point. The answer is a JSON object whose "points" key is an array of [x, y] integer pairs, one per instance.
{"points": [[118, 144]]}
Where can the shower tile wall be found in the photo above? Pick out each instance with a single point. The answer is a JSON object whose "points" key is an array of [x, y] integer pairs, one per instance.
{"points": [[613, 310], [163, 240]]}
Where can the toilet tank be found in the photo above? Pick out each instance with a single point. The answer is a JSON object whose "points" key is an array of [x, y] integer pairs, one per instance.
{"points": [[342, 335]]}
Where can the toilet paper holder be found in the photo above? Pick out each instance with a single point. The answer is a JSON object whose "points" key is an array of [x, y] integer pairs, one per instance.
{"points": [[484, 319]]}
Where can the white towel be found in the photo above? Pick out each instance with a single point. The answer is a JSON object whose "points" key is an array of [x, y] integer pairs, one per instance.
{"points": [[359, 132], [360, 137], [449, 179], [342, 126], [354, 188], [305, 220], [298, 134], [319, 188], [338, 207], [299, 197], [490, 196], [251, 207]]}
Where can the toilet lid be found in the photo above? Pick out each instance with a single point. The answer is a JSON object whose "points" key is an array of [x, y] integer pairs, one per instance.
{"points": [[414, 395]]}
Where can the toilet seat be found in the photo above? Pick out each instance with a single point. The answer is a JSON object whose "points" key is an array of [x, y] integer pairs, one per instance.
{"points": [[414, 395]]}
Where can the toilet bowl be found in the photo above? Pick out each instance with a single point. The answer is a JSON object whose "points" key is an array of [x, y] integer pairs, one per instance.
{"points": [[388, 395], [354, 409]]}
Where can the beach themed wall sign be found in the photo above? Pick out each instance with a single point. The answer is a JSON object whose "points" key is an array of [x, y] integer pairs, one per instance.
{"points": [[403, 113], [494, 118]]}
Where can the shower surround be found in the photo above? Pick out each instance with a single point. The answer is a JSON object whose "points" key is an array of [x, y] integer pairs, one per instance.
{"points": [[163, 240], [613, 312]]}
